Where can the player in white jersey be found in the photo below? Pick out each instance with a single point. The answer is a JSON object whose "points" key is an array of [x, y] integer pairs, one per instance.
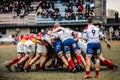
{"points": [[91, 34], [82, 44], [68, 41], [58, 48]]}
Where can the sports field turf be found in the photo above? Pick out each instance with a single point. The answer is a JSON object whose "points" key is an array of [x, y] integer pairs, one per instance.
{"points": [[8, 52]]}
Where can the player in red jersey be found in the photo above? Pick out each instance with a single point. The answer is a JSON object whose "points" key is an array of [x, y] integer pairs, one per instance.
{"points": [[29, 51], [20, 51]]}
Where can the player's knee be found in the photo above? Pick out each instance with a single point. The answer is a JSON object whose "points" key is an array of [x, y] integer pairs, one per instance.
{"points": [[78, 52], [68, 54]]}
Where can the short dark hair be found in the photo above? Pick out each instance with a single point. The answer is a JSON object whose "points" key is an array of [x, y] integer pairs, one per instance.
{"points": [[89, 20]]}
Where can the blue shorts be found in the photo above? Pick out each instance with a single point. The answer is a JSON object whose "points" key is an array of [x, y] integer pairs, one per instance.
{"points": [[68, 44], [58, 46], [94, 48]]}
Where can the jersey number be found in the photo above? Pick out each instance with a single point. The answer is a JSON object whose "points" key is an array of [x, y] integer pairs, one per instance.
{"points": [[93, 32]]}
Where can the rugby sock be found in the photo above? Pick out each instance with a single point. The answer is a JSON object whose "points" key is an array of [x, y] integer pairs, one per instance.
{"points": [[87, 72], [97, 72], [102, 63], [28, 65], [22, 65], [78, 59], [68, 66], [108, 63], [13, 61], [71, 63]]}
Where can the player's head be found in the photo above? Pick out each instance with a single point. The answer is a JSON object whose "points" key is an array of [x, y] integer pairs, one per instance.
{"points": [[49, 32], [89, 20], [56, 25]]}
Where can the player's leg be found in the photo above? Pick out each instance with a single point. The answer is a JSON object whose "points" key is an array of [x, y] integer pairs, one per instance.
{"points": [[20, 62], [28, 66], [107, 62], [58, 48], [20, 50], [14, 60], [97, 66], [88, 59], [62, 57], [42, 61], [67, 50]]}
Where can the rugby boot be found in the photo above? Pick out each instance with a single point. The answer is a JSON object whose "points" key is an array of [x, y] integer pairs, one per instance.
{"points": [[27, 69], [8, 67]]}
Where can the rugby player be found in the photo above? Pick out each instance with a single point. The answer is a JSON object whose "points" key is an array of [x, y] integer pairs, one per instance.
{"points": [[91, 34], [20, 51], [67, 39], [29, 50]]}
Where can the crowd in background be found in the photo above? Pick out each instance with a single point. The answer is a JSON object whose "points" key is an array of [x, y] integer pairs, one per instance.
{"points": [[114, 34], [16, 7], [47, 9]]}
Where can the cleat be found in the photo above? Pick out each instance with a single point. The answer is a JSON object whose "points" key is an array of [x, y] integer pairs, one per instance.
{"points": [[87, 76], [74, 70], [17, 68], [27, 69], [97, 76], [51, 66], [8, 67], [81, 68], [77, 67], [115, 67], [37, 68]]}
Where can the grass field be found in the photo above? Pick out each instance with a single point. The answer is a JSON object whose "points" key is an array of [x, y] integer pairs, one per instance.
{"points": [[8, 52]]}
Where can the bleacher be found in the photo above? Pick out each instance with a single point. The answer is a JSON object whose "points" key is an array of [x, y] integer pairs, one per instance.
{"points": [[8, 19], [61, 6], [32, 17]]}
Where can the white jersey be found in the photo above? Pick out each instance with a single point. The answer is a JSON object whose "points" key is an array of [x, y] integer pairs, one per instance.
{"points": [[41, 49], [92, 33], [82, 44], [47, 38], [64, 34], [79, 35]]}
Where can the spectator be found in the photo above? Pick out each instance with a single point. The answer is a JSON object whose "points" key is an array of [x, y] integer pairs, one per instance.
{"points": [[72, 16], [116, 16], [16, 38], [103, 29], [111, 30], [92, 14], [80, 8], [14, 14], [77, 3], [80, 16], [116, 35], [22, 12], [67, 16]]}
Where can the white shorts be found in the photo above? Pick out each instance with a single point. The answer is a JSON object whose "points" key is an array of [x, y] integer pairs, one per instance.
{"points": [[29, 47], [20, 47], [82, 45], [41, 49]]}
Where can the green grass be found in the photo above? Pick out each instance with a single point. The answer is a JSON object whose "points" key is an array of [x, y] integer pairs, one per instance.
{"points": [[9, 52]]}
